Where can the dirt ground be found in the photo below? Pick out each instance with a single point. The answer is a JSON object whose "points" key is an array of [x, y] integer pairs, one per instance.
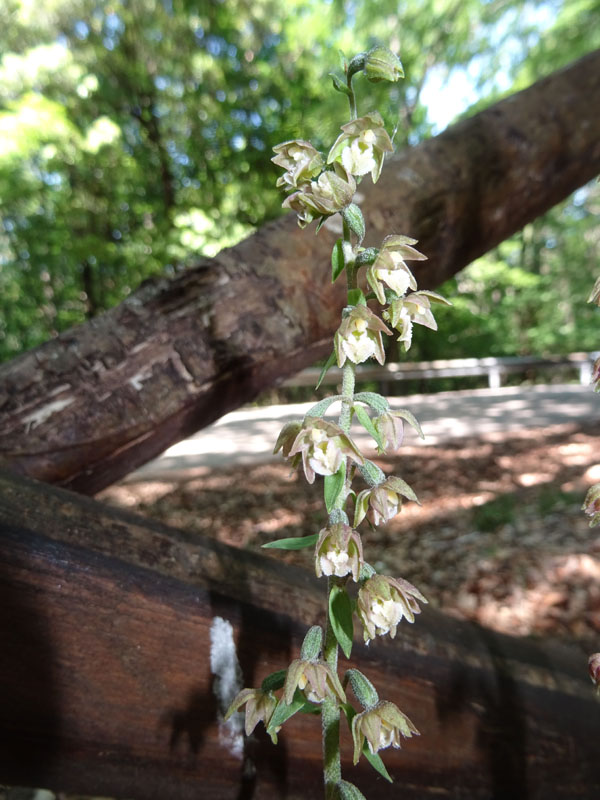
{"points": [[499, 536]]}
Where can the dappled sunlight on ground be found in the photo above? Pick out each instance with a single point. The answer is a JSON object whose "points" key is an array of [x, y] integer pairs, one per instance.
{"points": [[499, 537]]}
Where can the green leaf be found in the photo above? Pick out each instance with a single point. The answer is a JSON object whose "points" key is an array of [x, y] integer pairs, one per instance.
{"points": [[328, 364], [339, 85], [283, 712], [340, 614], [375, 761], [338, 262], [355, 220], [321, 407], [294, 543], [274, 681], [333, 486], [376, 401], [367, 423], [356, 298]]}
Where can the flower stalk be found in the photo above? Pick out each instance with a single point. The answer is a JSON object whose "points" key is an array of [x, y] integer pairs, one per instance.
{"points": [[320, 186]]}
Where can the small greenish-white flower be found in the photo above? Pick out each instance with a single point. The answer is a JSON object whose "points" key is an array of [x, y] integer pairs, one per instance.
{"points": [[300, 160], [362, 145], [591, 505], [382, 65], [359, 337], [331, 192], [414, 308], [339, 552], [390, 266], [313, 677], [381, 503], [323, 445], [383, 602], [259, 704], [380, 726], [390, 427]]}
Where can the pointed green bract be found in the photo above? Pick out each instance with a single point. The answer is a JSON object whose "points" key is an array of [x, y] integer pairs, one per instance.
{"points": [[338, 261], [367, 423], [293, 543], [340, 615], [334, 486]]}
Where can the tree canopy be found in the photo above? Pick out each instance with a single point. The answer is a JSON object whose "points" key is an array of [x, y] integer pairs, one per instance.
{"points": [[136, 136]]}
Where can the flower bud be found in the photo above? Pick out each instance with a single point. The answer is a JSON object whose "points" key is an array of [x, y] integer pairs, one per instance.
{"points": [[311, 646], [363, 689], [382, 65]]}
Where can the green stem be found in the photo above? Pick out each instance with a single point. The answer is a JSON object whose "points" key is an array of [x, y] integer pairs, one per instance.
{"points": [[330, 712]]}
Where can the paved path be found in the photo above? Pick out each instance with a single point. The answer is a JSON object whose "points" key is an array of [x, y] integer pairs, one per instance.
{"points": [[247, 436]]}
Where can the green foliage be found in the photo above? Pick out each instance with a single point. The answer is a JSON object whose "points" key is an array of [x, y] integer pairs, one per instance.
{"points": [[528, 296], [136, 136], [340, 616]]}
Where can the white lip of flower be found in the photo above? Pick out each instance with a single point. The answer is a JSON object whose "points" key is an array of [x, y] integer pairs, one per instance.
{"points": [[357, 344], [406, 334], [325, 455], [323, 186], [310, 695], [397, 279], [385, 615], [335, 562], [387, 736], [358, 158]]}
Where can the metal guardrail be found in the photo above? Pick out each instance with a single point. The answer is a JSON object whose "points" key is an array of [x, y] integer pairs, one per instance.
{"points": [[494, 368]]}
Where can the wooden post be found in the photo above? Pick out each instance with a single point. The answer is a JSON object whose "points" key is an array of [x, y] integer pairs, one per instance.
{"points": [[107, 689]]}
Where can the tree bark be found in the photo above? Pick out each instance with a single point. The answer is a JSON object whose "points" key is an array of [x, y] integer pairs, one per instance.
{"points": [[107, 687], [87, 408]]}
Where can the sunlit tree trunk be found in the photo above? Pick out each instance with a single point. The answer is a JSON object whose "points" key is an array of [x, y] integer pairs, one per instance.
{"points": [[90, 406]]}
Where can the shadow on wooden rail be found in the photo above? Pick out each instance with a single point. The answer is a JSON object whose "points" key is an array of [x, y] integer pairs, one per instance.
{"points": [[107, 687]]}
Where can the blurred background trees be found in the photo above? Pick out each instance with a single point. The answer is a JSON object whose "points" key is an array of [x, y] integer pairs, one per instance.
{"points": [[137, 134]]}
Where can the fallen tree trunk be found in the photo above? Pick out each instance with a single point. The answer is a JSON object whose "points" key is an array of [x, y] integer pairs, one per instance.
{"points": [[102, 399], [107, 685]]}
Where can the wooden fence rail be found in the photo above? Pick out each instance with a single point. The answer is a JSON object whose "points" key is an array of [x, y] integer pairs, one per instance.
{"points": [[105, 669], [494, 368]]}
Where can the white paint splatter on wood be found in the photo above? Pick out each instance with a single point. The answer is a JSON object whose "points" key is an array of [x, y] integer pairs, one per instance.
{"points": [[225, 667]]}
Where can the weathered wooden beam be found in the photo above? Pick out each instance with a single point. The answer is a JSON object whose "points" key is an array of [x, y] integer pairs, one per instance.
{"points": [[106, 686], [106, 397]]}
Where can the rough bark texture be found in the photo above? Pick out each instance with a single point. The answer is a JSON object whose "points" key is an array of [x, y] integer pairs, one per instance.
{"points": [[107, 689], [100, 400]]}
